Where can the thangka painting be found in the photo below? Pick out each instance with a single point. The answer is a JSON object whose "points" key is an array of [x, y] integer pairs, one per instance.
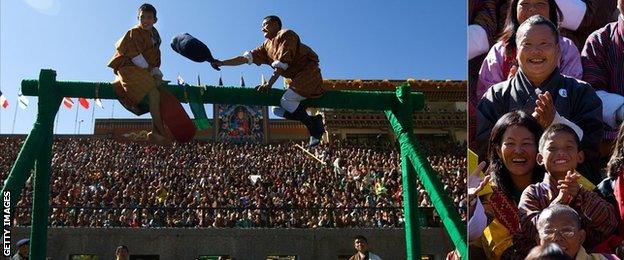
{"points": [[239, 123]]}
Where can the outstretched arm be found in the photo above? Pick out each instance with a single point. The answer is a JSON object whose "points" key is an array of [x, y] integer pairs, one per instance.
{"points": [[238, 60]]}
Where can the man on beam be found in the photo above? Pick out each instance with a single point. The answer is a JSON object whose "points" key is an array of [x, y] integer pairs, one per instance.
{"points": [[296, 62]]}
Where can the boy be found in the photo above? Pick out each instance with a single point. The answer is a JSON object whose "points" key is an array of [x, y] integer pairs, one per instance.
{"points": [[558, 152], [136, 63]]}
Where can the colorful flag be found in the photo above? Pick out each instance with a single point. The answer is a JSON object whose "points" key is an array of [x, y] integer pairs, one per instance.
{"points": [[98, 103], [242, 81], [22, 101], [68, 103], [84, 102], [3, 101]]}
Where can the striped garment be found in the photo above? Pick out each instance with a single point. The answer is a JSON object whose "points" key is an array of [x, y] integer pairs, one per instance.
{"points": [[484, 13], [303, 71], [598, 217], [603, 58]]}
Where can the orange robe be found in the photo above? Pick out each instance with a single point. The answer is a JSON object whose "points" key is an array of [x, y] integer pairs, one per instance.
{"points": [[303, 70], [132, 82]]}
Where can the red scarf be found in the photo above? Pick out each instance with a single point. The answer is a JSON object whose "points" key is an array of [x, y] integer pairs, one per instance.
{"points": [[505, 210]]}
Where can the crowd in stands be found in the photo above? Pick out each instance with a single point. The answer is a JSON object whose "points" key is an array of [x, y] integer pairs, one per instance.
{"points": [[100, 182]]}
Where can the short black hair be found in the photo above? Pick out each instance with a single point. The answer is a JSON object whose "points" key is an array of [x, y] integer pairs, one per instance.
{"points": [[540, 20], [148, 8], [121, 247], [557, 128], [361, 238], [274, 18]]}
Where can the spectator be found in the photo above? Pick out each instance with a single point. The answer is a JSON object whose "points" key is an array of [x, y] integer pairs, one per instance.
{"points": [[122, 253], [539, 89], [23, 250], [361, 246]]}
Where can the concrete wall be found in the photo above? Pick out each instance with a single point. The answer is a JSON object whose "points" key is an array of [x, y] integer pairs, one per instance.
{"points": [[239, 244]]}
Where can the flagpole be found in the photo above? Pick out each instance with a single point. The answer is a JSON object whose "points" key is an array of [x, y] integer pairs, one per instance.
{"points": [[14, 116], [56, 125], [76, 121], [93, 113]]}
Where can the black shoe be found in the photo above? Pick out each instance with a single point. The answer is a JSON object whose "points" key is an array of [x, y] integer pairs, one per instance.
{"points": [[314, 142], [319, 127]]}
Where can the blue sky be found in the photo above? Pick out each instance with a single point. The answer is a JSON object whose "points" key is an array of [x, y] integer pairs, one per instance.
{"points": [[354, 40]]}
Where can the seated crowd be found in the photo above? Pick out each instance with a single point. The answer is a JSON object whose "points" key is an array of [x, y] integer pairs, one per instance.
{"points": [[99, 182]]}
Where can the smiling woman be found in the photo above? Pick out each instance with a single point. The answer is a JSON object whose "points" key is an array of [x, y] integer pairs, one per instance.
{"points": [[512, 166]]}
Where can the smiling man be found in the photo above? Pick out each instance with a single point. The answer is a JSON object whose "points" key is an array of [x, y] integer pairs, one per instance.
{"points": [[541, 90], [560, 224], [283, 51]]}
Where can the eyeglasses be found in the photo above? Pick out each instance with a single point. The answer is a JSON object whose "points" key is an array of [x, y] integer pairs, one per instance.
{"points": [[565, 232]]}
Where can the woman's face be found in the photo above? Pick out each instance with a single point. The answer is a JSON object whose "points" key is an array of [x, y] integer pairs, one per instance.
{"points": [[528, 8], [518, 151]]}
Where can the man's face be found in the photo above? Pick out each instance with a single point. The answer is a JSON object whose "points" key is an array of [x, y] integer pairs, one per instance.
{"points": [[560, 154], [147, 20], [562, 230], [361, 245], [24, 250], [538, 52], [269, 28], [122, 253]]}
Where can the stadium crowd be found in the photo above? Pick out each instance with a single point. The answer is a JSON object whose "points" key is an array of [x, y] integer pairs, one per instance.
{"points": [[99, 182]]}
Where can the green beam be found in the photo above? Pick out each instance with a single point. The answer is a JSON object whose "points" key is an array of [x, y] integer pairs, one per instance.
{"points": [[403, 105], [363, 100], [401, 121], [440, 200]]}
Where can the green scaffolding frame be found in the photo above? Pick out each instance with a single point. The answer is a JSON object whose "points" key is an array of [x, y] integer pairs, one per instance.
{"points": [[398, 107]]}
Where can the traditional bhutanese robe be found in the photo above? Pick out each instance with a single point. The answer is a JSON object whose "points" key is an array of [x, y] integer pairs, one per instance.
{"points": [[486, 14], [132, 82], [603, 58], [502, 235], [574, 100], [603, 65], [303, 70], [598, 217], [497, 65], [597, 14]]}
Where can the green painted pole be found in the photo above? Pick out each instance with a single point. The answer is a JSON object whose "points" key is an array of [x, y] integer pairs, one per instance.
{"points": [[49, 102], [363, 100], [400, 120], [403, 106]]}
